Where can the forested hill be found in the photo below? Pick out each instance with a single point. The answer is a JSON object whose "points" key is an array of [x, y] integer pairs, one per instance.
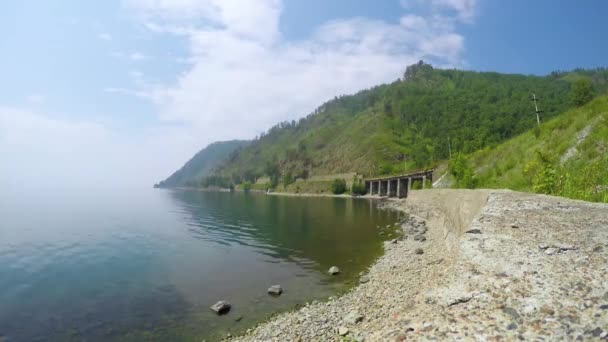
{"points": [[202, 164], [405, 125], [567, 156]]}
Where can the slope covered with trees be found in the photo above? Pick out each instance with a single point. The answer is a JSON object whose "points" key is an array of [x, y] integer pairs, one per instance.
{"points": [[405, 125], [567, 156], [202, 164]]}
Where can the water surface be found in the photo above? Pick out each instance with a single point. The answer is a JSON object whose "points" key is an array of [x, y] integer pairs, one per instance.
{"points": [[148, 264]]}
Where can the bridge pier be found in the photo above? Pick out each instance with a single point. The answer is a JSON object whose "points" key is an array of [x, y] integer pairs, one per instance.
{"points": [[404, 184], [383, 188], [397, 186], [393, 185]]}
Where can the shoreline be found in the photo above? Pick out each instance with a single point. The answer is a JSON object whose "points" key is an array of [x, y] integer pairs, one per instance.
{"points": [[290, 194], [467, 267]]}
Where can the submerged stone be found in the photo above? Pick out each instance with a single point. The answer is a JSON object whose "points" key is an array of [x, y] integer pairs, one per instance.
{"points": [[221, 307], [275, 290]]}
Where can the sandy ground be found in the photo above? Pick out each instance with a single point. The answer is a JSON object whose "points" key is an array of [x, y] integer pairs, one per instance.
{"points": [[472, 265]]}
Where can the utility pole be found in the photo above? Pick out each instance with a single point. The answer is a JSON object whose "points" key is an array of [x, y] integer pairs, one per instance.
{"points": [[450, 147], [536, 108]]}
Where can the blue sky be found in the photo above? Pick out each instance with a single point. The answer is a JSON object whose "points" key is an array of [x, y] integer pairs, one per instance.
{"points": [[123, 92]]}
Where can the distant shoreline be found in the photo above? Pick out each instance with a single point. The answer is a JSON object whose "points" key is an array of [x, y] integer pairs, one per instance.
{"points": [[289, 194]]}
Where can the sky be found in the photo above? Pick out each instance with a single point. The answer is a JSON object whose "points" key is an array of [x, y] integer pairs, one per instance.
{"points": [[120, 93]]}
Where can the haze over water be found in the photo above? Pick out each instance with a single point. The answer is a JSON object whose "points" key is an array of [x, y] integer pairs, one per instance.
{"points": [[148, 264]]}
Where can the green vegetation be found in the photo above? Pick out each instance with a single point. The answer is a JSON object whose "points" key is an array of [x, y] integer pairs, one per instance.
{"points": [[338, 186], [202, 165], [358, 188], [582, 91], [462, 172], [246, 186], [567, 157], [405, 126]]}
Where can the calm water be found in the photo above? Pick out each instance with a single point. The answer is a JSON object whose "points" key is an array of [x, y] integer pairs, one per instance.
{"points": [[147, 265]]}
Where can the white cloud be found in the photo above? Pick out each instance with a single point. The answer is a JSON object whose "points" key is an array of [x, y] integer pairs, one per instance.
{"points": [[134, 56], [137, 56], [244, 76], [36, 98], [105, 36], [464, 10], [241, 75]]}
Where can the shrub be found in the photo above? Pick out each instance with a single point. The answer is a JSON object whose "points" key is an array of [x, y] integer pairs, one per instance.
{"points": [[463, 172], [287, 179], [542, 174], [581, 92], [338, 186], [246, 186], [358, 188]]}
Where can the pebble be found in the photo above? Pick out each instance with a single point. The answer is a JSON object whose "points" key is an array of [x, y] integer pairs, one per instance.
{"points": [[342, 331], [334, 270], [353, 317], [419, 237], [221, 307], [419, 251], [275, 290], [551, 251]]}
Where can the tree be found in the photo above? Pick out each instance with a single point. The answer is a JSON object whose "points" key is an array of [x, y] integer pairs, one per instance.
{"points": [[246, 186], [358, 188], [581, 92], [338, 186], [463, 172], [287, 179]]}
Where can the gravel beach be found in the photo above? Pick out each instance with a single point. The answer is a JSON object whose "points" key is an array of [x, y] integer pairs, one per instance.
{"points": [[472, 265]]}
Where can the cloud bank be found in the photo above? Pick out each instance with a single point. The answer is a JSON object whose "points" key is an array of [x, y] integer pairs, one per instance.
{"points": [[241, 76], [246, 76]]}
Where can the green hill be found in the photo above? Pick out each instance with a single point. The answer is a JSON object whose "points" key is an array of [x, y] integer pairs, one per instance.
{"points": [[202, 164], [567, 156], [404, 125]]}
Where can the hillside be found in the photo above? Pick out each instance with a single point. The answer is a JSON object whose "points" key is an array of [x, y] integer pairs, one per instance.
{"points": [[404, 125], [567, 156], [202, 164]]}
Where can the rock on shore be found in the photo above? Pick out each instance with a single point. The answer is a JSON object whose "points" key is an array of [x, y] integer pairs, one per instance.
{"points": [[497, 282]]}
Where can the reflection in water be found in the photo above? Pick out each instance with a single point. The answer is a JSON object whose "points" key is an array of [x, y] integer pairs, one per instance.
{"points": [[148, 266], [316, 232]]}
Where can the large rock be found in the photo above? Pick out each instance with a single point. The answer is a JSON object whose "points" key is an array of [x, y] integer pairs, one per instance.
{"points": [[275, 290], [221, 307], [334, 270]]}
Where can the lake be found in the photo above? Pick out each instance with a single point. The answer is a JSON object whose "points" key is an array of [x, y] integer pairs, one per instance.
{"points": [[146, 265]]}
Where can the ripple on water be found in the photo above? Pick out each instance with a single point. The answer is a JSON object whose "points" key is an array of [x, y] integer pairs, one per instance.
{"points": [[152, 273]]}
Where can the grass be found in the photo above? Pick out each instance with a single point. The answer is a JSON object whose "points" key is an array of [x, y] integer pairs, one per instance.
{"points": [[515, 163]]}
